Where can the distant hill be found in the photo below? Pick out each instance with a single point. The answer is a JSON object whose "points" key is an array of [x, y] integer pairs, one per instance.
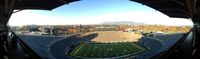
{"points": [[123, 22]]}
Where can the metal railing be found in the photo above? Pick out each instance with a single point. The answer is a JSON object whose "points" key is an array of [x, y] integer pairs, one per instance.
{"points": [[28, 51]]}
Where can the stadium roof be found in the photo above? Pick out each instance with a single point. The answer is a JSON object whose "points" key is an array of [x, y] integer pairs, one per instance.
{"points": [[175, 8], [172, 8], [41, 4]]}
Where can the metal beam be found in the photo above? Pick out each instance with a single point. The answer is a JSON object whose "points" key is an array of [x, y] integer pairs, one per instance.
{"points": [[190, 8], [8, 9], [175, 15], [178, 2], [175, 9], [155, 1], [161, 1]]}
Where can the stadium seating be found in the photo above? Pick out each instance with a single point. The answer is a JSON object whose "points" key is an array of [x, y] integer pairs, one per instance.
{"points": [[157, 44], [58, 47], [169, 40], [40, 44], [153, 45]]}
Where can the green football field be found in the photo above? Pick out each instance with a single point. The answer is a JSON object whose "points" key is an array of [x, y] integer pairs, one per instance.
{"points": [[106, 50]]}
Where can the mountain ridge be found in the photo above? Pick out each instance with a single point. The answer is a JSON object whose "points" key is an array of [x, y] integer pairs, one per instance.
{"points": [[123, 23]]}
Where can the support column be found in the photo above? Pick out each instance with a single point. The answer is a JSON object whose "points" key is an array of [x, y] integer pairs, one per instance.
{"points": [[196, 39]]}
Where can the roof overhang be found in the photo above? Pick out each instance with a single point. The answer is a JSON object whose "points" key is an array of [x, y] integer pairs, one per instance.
{"points": [[175, 8], [41, 4]]}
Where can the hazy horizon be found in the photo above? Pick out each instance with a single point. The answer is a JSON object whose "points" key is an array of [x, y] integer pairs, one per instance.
{"points": [[95, 12]]}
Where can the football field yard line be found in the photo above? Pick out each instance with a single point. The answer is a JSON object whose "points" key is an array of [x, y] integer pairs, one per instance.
{"points": [[106, 50]]}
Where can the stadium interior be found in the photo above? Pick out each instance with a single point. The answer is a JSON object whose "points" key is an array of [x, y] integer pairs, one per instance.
{"points": [[83, 45], [101, 44]]}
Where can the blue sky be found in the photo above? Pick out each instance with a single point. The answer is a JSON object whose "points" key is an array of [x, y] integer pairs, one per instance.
{"points": [[95, 12]]}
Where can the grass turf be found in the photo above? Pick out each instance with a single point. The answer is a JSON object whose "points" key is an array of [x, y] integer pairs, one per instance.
{"points": [[106, 50]]}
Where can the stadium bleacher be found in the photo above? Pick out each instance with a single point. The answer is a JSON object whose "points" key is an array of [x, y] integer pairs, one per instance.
{"points": [[39, 44], [61, 48], [169, 40], [153, 45], [157, 44], [51, 47]]}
